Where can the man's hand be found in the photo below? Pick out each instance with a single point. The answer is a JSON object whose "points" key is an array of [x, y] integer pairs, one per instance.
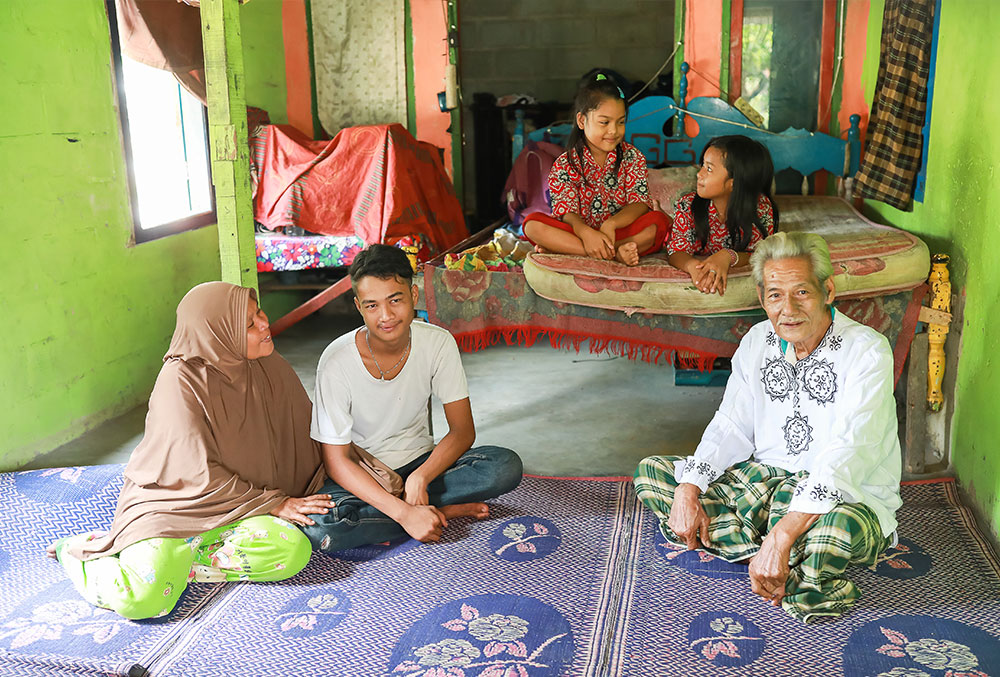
{"points": [[769, 567], [423, 522], [769, 570], [415, 490], [688, 519], [297, 510]]}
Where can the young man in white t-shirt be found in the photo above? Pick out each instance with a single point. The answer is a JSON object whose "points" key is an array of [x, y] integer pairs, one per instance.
{"points": [[372, 390]]}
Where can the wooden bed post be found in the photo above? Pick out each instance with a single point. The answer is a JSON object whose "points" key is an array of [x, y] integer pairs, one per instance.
{"points": [[228, 139], [682, 89], [853, 159], [937, 331]]}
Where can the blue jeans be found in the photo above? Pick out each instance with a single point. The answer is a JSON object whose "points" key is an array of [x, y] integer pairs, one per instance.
{"points": [[479, 474]]}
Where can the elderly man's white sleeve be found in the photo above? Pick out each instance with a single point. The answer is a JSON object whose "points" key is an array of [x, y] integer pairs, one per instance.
{"points": [[728, 439], [332, 422], [862, 460]]}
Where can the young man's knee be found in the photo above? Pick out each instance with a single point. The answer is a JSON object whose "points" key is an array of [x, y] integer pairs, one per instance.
{"points": [[507, 467]]}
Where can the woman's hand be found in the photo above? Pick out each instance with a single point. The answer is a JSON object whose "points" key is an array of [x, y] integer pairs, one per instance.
{"points": [[297, 510], [714, 272], [597, 244]]}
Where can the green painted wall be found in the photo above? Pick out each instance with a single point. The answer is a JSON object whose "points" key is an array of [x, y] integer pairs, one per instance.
{"points": [[960, 216], [264, 58], [87, 316]]}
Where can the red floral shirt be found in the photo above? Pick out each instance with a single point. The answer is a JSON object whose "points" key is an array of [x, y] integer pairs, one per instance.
{"points": [[682, 234], [604, 194]]}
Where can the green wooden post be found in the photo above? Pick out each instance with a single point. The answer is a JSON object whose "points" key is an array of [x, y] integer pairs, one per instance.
{"points": [[411, 95], [228, 139], [727, 18], [456, 114], [679, 56]]}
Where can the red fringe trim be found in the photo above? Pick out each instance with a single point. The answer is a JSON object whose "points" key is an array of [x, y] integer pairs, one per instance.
{"points": [[598, 344]]}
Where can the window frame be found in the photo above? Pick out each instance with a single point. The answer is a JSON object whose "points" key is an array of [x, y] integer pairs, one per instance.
{"points": [[192, 222]]}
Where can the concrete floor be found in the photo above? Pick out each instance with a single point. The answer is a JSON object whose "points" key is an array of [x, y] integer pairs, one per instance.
{"points": [[566, 414]]}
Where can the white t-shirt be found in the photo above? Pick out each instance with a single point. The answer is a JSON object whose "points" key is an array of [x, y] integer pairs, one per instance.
{"points": [[388, 419], [831, 413]]}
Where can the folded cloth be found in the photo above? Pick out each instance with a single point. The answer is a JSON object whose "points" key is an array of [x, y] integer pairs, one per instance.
{"points": [[503, 253]]}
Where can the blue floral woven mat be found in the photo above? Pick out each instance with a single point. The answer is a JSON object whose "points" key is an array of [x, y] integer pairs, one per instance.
{"points": [[567, 577]]}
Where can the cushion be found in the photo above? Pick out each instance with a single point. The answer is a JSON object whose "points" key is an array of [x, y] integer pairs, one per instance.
{"points": [[669, 183], [868, 259]]}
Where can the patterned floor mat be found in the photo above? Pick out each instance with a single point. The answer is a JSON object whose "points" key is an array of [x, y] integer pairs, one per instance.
{"points": [[568, 577]]}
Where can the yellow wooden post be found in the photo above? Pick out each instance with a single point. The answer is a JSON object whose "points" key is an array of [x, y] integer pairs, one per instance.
{"points": [[940, 300], [228, 139]]}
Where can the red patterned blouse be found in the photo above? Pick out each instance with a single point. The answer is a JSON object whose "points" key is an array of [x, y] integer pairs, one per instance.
{"points": [[682, 235], [604, 194]]}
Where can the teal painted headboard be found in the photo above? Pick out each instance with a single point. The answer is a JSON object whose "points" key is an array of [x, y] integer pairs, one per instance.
{"points": [[798, 149]]}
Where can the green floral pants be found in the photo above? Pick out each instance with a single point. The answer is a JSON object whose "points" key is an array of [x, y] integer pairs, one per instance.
{"points": [[147, 578]]}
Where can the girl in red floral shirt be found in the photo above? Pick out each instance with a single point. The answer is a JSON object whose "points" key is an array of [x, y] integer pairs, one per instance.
{"points": [[727, 216], [600, 200]]}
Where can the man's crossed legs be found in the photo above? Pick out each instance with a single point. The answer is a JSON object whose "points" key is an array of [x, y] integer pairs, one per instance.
{"points": [[745, 503], [479, 474]]}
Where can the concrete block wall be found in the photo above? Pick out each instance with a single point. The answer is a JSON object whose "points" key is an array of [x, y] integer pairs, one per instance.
{"points": [[542, 47]]}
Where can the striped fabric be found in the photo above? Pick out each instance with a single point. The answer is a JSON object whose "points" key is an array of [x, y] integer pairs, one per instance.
{"points": [[892, 160], [746, 502]]}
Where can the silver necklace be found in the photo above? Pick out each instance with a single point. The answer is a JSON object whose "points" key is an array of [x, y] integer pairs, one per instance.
{"points": [[381, 374]]}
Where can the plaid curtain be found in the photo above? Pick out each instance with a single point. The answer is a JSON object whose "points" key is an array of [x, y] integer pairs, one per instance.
{"points": [[892, 159]]}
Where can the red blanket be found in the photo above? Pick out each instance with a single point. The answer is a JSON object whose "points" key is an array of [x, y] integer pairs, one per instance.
{"points": [[376, 182]]}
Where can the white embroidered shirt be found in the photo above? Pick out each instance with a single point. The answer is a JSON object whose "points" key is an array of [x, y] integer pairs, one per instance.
{"points": [[832, 413]]}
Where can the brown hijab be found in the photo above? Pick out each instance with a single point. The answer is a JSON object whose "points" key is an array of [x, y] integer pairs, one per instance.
{"points": [[226, 437]]}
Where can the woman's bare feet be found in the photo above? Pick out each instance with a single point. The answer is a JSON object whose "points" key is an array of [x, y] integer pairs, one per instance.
{"points": [[478, 510], [628, 253]]}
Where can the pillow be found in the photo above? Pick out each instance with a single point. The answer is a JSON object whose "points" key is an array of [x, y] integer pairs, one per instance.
{"points": [[669, 183]]}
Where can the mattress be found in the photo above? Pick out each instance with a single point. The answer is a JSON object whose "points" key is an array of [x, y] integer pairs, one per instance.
{"points": [[868, 260], [285, 252]]}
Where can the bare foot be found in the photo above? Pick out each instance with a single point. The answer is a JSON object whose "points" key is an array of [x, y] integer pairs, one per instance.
{"points": [[478, 510], [50, 549], [539, 249], [628, 254]]}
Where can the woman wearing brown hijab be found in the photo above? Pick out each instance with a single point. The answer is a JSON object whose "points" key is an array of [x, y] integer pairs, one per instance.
{"points": [[209, 492]]}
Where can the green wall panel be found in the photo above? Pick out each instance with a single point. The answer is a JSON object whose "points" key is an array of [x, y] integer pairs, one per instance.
{"points": [[960, 216], [89, 316], [264, 58]]}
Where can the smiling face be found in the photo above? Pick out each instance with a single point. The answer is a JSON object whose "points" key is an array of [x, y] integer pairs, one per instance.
{"points": [[714, 182], [386, 306], [603, 127], [795, 302], [259, 342]]}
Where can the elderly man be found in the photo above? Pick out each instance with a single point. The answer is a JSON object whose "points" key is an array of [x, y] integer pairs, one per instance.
{"points": [[799, 469]]}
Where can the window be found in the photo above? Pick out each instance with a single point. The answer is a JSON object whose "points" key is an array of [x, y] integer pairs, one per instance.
{"points": [[165, 135]]}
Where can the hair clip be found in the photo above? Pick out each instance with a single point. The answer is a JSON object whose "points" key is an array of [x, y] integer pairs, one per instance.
{"points": [[602, 76]]}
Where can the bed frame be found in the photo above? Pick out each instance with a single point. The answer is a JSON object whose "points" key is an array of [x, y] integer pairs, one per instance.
{"points": [[804, 151]]}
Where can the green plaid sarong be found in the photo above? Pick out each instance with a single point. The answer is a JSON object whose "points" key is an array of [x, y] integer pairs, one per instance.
{"points": [[745, 502]]}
